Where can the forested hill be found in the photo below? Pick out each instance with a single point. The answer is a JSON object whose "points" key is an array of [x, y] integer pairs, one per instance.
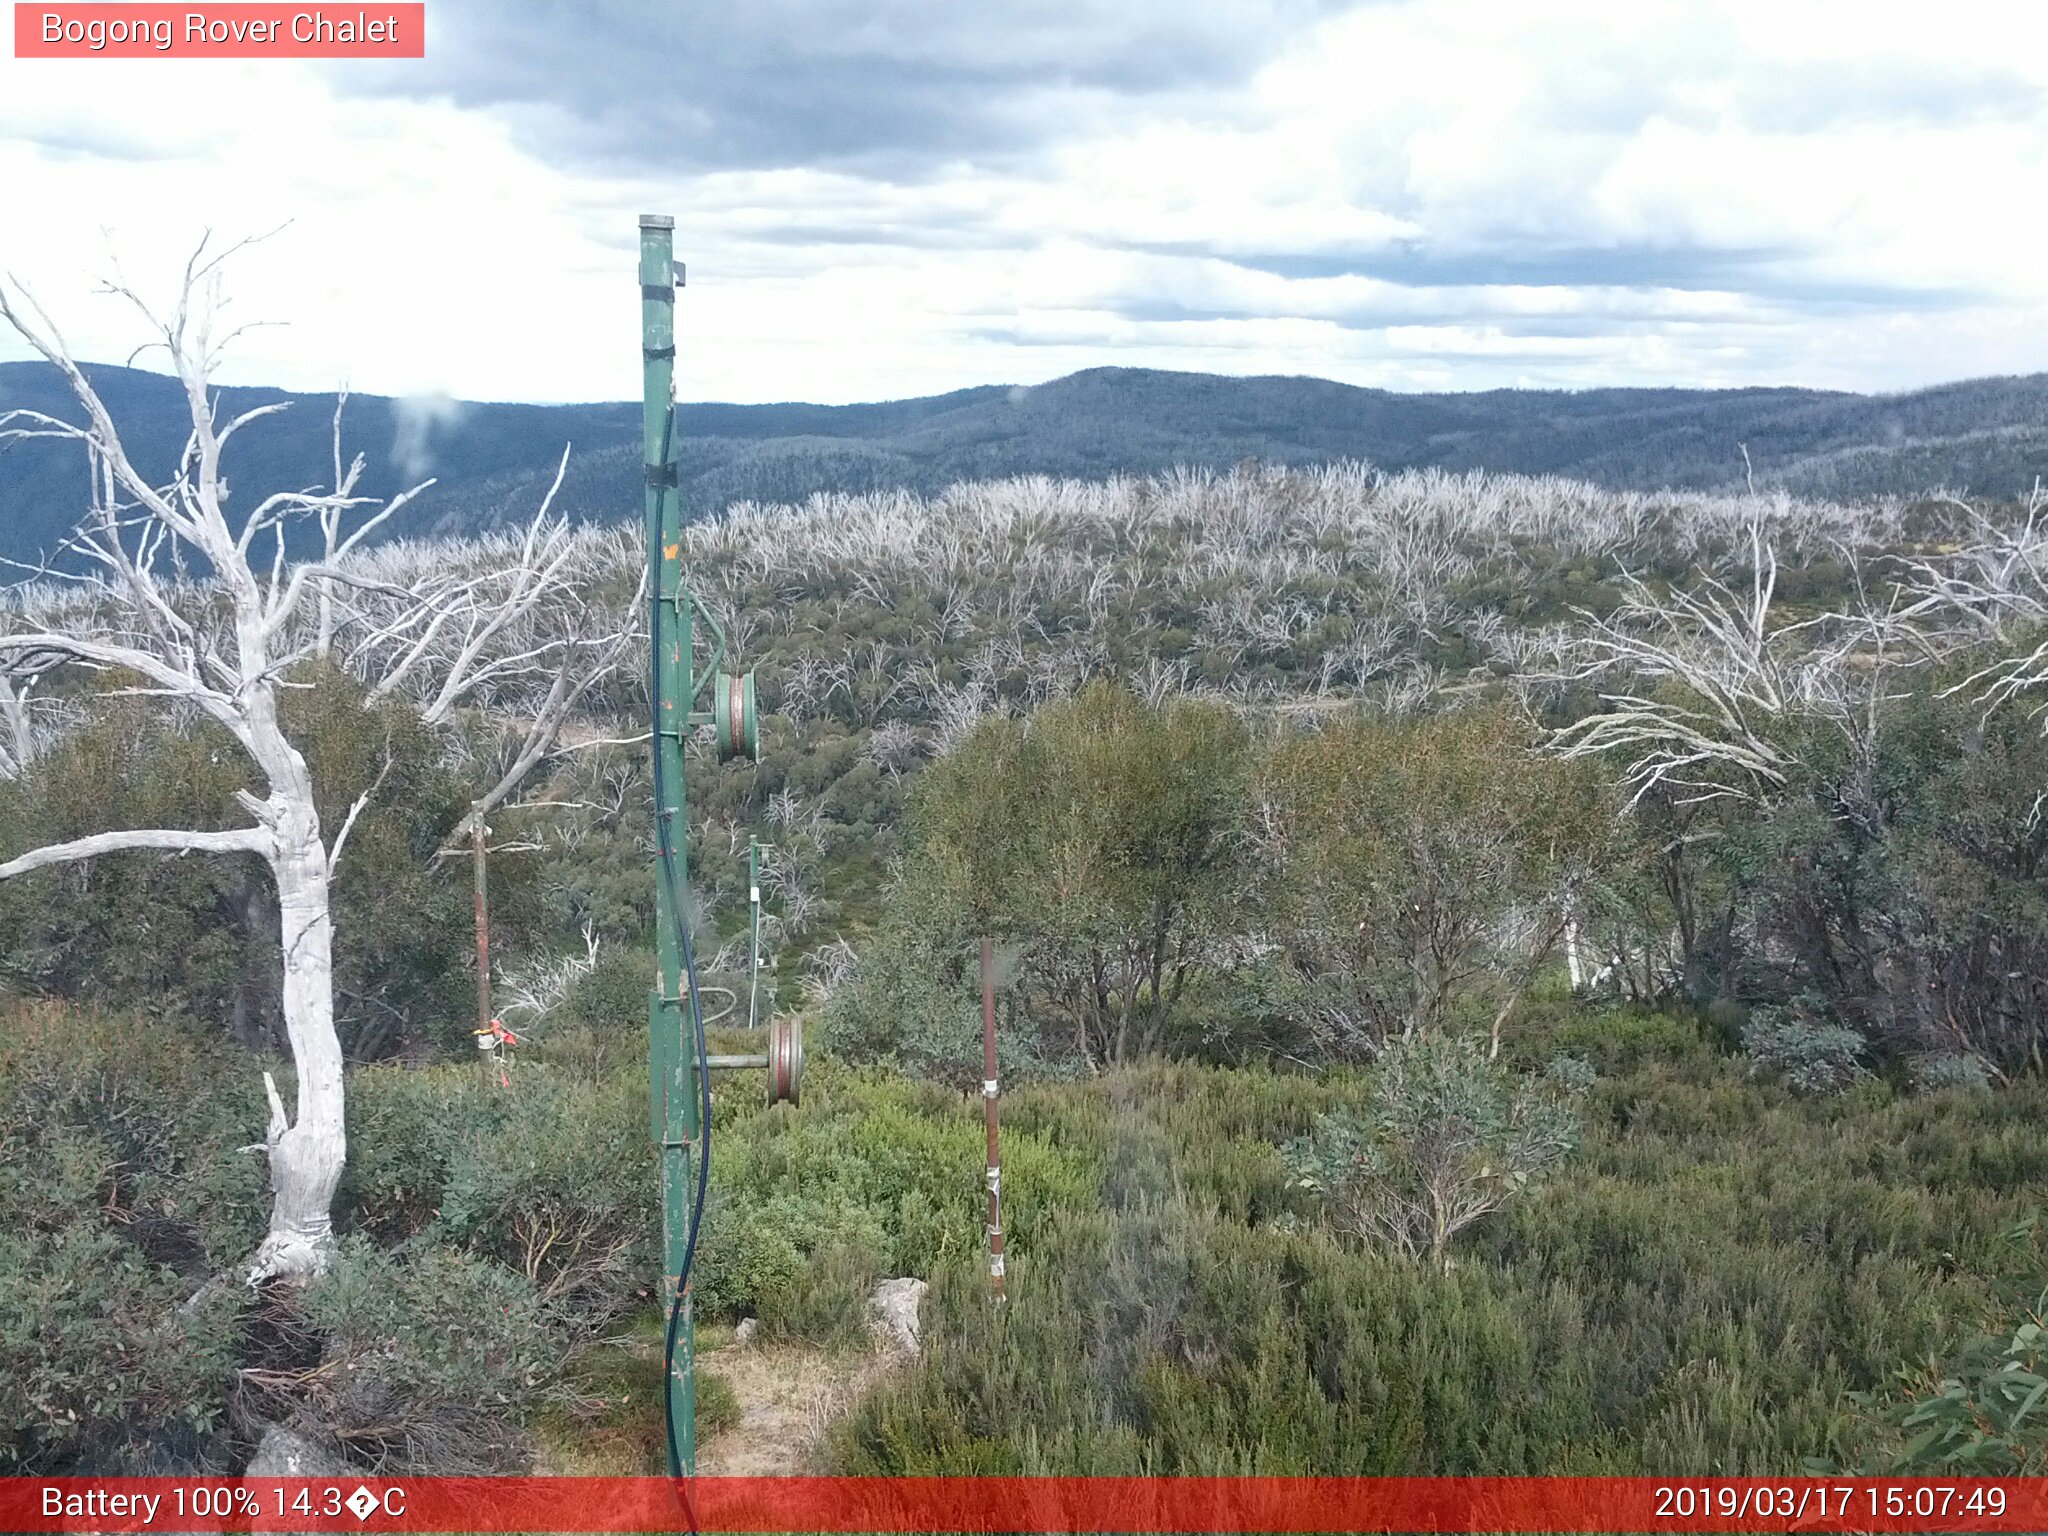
{"points": [[493, 461]]}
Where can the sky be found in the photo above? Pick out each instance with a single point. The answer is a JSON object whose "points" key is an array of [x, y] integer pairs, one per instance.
{"points": [[884, 198]]}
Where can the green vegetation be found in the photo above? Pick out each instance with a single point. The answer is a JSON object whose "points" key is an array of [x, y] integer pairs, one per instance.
{"points": [[1725, 1264], [1103, 838], [198, 937], [1445, 1134], [118, 1180], [1421, 1053], [1401, 849], [1978, 1411], [1728, 1264]]}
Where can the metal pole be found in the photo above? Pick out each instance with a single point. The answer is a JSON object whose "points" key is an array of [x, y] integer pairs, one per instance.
{"points": [[989, 1092], [672, 1061], [484, 922], [754, 934], [483, 926]]}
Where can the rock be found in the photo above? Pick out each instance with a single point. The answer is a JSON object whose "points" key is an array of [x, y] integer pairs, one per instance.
{"points": [[288, 1453], [744, 1333], [895, 1306]]}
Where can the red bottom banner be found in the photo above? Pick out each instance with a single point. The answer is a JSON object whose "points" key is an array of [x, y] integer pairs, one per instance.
{"points": [[1110, 1504]]}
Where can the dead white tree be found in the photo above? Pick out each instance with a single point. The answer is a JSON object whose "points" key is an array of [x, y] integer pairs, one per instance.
{"points": [[536, 991], [1996, 584], [514, 627], [17, 729], [224, 647], [1728, 678], [224, 660], [341, 534]]}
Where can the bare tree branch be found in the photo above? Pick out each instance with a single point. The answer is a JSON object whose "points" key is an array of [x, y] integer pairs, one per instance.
{"points": [[242, 840]]}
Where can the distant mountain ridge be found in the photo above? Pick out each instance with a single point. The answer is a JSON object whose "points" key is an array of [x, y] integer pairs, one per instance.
{"points": [[494, 461]]}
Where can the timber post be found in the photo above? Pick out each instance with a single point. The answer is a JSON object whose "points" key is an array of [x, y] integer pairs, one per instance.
{"points": [[990, 1092], [477, 832]]}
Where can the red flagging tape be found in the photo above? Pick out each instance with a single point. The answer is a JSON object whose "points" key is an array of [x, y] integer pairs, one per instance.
{"points": [[1107, 1504]]}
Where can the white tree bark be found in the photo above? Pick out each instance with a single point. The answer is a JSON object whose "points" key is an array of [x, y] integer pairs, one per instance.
{"points": [[17, 736], [174, 841], [306, 1156]]}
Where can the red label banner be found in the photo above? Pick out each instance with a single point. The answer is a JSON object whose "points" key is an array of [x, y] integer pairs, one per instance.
{"points": [[220, 31], [1136, 1504]]}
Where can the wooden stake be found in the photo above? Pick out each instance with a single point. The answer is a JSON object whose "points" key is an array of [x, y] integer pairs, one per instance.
{"points": [[989, 1092], [483, 926]]}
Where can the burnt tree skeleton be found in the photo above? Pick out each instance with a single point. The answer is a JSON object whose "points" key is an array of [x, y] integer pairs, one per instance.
{"points": [[223, 647]]}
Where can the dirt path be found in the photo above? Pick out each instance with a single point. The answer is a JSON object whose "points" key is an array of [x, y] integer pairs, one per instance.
{"points": [[788, 1397]]}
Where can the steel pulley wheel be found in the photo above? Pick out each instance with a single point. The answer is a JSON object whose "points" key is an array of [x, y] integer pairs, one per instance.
{"points": [[735, 718], [785, 1060]]}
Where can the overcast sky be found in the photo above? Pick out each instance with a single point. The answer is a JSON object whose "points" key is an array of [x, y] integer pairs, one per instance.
{"points": [[879, 198]]}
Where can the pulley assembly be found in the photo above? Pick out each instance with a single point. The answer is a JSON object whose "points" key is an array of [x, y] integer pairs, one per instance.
{"points": [[736, 721], [784, 1060]]}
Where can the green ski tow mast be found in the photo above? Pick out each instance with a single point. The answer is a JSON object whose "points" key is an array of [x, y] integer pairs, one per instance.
{"points": [[679, 1061]]}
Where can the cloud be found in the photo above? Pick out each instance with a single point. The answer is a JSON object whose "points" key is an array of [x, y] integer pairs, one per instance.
{"points": [[887, 199], [899, 88]]}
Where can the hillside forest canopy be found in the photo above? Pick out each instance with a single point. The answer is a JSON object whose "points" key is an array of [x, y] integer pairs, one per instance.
{"points": [[1496, 974], [492, 462]]}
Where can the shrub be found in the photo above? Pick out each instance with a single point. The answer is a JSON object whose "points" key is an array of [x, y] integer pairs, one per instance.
{"points": [[825, 1302], [1103, 837], [1420, 870], [1444, 1136], [1984, 1410], [434, 1358], [553, 1177], [1933, 1073], [782, 1257], [1571, 1074], [1981, 1414], [122, 1193], [611, 998], [872, 1175], [106, 1368], [914, 1005], [559, 1185], [1725, 1263], [1165, 1341], [1623, 1038], [1903, 884], [1814, 1058], [168, 1109]]}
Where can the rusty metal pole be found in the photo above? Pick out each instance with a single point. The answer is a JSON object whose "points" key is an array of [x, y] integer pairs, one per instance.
{"points": [[989, 1092], [483, 927]]}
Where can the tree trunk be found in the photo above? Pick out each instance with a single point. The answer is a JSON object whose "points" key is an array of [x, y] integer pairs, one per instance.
{"points": [[306, 1156], [1524, 979]]}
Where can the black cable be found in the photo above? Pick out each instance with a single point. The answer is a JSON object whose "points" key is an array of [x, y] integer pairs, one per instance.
{"points": [[662, 815]]}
